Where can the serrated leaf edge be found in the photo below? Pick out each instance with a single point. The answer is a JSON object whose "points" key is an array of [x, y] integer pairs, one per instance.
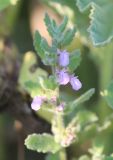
{"points": [[85, 8], [38, 150], [92, 11]]}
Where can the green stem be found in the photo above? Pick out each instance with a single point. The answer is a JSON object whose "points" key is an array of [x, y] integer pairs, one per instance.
{"points": [[62, 154], [60, 124], [61, 130]]}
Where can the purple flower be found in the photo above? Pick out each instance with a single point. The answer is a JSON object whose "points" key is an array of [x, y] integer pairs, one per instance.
{"points": [[36, 103], [63, 59], [75, 83], [63, 77]]}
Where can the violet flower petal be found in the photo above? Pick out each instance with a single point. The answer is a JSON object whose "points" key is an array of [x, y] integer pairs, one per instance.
{"points": [[75, 83], [63, 77], [36, 103], [63, 59]]}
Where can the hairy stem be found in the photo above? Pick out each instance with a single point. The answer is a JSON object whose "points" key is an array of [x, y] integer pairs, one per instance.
{"points": [[62, 154]]}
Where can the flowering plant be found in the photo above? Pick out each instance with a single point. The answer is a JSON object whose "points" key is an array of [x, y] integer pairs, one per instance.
{"points": [[48, 100], [50, 89]]}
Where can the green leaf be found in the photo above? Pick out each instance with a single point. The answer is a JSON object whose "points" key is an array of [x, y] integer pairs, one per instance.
{"points": [[36, 82], [50, 24], [33, 88], [62, 26], [97, 147], [37, 41], [68, 36], [44, 45], [46, 53], [47, 110], [75, 59], [50, 83], [85, 97], [38, 44], [101, 27], [108, 95], [82, 22], [83, 5], [42, 143], [60, 37], [39, 88], [73, 105], [85, 118], [26, 73]]}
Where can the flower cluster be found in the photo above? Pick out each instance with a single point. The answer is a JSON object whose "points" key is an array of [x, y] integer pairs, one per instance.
{"points": [[39, 100], [63, 77]]}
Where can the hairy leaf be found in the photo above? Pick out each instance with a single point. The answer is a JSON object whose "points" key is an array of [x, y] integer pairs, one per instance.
{"points": [[85, 118], [76, 103], [101, 27], [39, 43], [62, 26], [50, 24], [36, 82], [85, 97], [46, 53], [68, 36], [83, 5], [42, 143], [27, 73]]}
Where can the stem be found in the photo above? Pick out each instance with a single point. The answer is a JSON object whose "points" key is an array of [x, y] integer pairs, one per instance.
{"points": [[60, 134], [62, 154], [60, 124]]}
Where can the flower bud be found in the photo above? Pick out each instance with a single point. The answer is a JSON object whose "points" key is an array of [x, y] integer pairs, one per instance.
{"points": [[36, 103], [75, 83], [62, 77], [63, 59]]}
